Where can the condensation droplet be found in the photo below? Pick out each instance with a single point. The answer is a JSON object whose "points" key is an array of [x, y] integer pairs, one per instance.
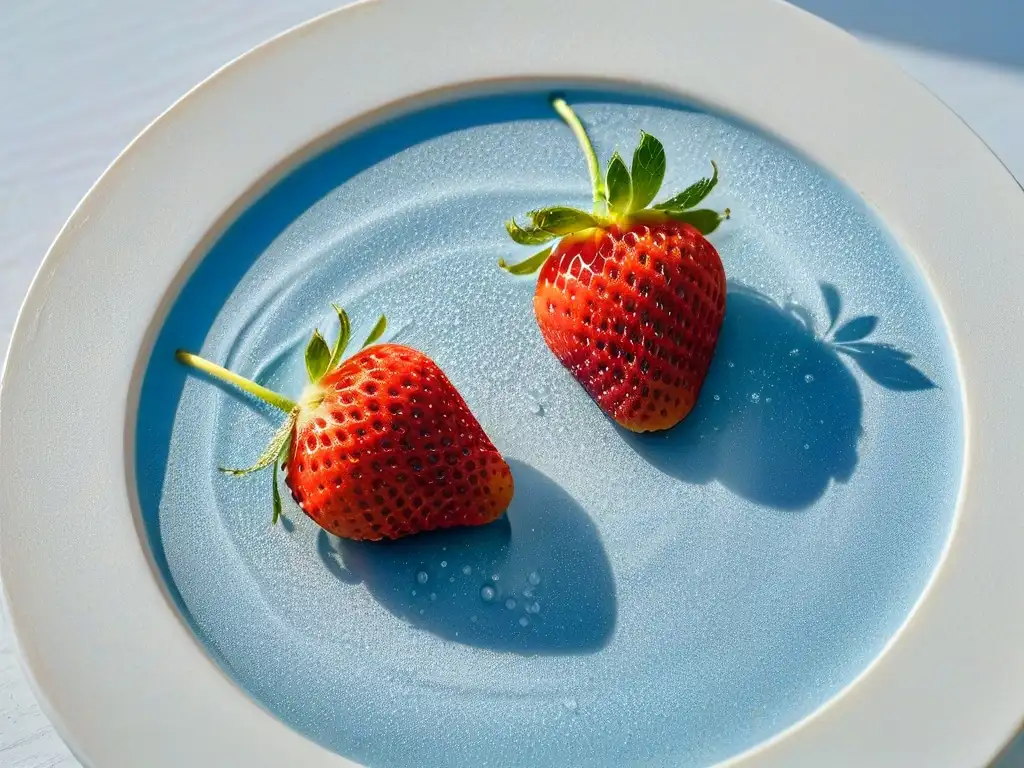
{"points": [[807, 446], [433, 595], [533, 607], [495, 577], [717, 397], [510, 603], [794, 353], [523, 621], [731, 364], [570, 704], [755, 397], [809, 378], [444, 563], [488, 593], [536, 408], [467, 569], [451, 579], [534, 578], [422, 577]]}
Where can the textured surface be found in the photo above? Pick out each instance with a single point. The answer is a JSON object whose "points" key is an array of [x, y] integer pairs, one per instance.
{"points": [[634, 315], [80, 79], [391, 450], [759, 556]]}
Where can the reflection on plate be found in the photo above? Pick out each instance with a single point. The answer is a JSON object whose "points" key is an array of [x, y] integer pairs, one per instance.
{"points": [[668, 598]]}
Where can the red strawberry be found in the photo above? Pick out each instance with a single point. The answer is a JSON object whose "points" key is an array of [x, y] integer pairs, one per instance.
{"points": [[632, 299], [380, 445]]}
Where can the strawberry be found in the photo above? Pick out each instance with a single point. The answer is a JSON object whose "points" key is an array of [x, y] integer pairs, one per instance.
{"points": [[379, 445], [632, 297]]}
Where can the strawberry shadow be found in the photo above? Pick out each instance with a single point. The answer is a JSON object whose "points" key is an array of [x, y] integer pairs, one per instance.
{"points": [[537, 581], [779, 416]]}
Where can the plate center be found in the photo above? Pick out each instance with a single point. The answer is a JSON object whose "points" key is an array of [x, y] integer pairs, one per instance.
{"points": [[667, 599]]}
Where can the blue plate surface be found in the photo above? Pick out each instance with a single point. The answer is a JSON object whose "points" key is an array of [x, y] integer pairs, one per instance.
{"points": [[668, 599]]}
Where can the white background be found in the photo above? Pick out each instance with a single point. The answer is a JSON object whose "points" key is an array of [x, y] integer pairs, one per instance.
{"points": [[79, 79]]}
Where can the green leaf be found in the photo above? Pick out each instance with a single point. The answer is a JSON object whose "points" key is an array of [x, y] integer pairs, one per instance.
{"points": [[377, 332], [620, 187], [528, 266], [693, 195], [560, 220], [273, 449], [277, 496], [704, 220], [527, 235], [344, 332], [648, 171], [318, 357]]}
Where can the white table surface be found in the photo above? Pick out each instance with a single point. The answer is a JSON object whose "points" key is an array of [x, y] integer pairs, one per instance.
{"points": [[79, 79]]}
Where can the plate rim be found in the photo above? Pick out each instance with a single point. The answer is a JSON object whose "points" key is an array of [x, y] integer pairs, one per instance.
{"points": [[965, 613]]}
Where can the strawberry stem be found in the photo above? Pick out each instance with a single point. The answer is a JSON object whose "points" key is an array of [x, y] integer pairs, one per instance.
{"points": [[251, 387], [593, 165]]}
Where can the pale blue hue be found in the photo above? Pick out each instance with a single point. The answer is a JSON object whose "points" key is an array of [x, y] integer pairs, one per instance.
{"points": [[697, 592]]}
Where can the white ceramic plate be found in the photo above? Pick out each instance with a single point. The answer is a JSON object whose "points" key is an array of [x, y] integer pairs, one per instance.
{"points": [[906, 643]]}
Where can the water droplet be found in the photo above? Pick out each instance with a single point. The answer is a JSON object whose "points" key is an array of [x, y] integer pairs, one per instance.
{"points": [[467, 569], [414, 593], [533, 607], [807, 446], [523, 621], [794, 353], [421, 611], [422, 577], [809, 378], [534, 578], [488, 593], [717, 397], [570, 704], [536, 408], [495, 577], [451, 579], [433, 595], [444, 563], [767, 399], [510, 603], [731, 364], [527, 592], [755, 397], [473, 619]]}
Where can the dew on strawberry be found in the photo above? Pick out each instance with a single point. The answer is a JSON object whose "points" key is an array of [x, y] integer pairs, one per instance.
{"points": [[631, 298], [379, 445]]}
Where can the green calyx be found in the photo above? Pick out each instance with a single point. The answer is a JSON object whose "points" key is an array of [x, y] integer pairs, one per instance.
{"points": [[321, 360], [622, 195]]}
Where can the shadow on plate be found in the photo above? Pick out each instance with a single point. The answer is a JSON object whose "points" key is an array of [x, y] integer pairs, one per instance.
{"points": [[779, 416], [535, 581]]}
